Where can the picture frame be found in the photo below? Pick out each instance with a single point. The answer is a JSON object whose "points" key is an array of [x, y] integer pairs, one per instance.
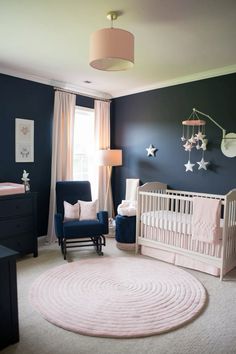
{"points": [[24, 140]]}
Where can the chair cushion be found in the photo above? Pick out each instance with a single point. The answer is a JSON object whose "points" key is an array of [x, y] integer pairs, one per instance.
{"points": [[83, 228], [71, 211], [88, 210]]}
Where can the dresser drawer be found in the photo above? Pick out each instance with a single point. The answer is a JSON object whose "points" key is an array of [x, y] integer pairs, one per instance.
{"points": [[24, 244], [15, 207], [15, 226], [18, 222]]}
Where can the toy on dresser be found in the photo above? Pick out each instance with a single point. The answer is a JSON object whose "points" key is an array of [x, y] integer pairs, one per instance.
{"points": [[26, 180]]}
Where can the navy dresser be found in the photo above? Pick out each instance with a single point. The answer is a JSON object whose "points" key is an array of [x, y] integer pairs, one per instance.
{"points": [[9, 328], [18, 223]]}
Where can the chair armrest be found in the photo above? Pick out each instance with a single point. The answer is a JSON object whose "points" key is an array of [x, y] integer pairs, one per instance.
{"points": [[58, 219], [103, 219]]}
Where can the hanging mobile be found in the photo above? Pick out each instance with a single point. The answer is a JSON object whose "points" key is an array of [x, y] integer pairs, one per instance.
{"points": [[194, 136]]}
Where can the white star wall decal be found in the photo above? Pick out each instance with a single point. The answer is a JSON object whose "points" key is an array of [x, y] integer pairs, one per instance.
{"points": [[189, 166], [202, 164], [151, 150]]}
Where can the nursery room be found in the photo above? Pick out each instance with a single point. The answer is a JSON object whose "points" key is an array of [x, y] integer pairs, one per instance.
{"points": [[117, 177]]}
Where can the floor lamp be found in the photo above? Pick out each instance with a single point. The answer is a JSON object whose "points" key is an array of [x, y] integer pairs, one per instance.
{"points": [[109, 158]]}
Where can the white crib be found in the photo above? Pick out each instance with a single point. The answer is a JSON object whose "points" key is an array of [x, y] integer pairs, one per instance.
{"points": [[164, 227]]}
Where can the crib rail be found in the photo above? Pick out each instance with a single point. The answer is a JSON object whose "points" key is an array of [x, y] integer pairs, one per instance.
{"points": [[174, 202], [153, 187], [164, 218], [229, 233], [195, 194]]}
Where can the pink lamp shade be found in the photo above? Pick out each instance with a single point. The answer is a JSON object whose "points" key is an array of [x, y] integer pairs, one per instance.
{"points": [[111, 49], [110, 157]]}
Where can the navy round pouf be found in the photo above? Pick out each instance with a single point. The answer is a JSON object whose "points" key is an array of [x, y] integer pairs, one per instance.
{"points": [[125, 232]]}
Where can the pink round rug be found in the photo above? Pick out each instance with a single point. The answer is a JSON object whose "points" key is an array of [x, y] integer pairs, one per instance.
{"points": [[118, 297]]}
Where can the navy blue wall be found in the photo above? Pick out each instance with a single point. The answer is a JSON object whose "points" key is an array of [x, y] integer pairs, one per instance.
{"points": [[152, 117], [155, 117], [84, 101], [28, 100]]}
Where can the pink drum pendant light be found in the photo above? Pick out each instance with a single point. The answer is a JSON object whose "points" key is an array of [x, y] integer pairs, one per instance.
{"points": [[111, 49]]}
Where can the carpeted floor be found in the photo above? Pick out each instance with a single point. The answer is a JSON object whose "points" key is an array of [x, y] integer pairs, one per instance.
{"points": [[213, 332]]}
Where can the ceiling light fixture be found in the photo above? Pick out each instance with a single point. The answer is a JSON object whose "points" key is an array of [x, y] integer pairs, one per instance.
{"points": [[111, 49]]}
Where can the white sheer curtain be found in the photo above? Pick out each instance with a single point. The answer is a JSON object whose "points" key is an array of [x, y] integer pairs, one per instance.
{"points": [[62, 149], [102, 141]]}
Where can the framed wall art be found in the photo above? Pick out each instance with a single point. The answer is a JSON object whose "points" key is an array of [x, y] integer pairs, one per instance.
{"points": [[24, 129]]}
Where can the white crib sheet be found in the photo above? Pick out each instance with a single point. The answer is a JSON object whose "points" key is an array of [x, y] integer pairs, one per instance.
{"points": [[171, 221]]}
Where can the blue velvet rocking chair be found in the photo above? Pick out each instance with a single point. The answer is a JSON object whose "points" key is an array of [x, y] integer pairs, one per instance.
{"points": [[78, 233]]}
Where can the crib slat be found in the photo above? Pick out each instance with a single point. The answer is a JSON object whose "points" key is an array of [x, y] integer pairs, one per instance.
{"points": [[174, 231]]}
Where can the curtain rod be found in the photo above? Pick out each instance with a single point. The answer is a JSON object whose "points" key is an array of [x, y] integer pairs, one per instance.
{"points": [[82, 94]]}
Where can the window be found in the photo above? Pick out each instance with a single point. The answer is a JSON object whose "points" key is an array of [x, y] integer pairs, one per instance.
{"points": [[84, 168]]}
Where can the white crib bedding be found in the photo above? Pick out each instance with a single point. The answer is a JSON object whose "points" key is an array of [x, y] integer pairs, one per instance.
{"points": [[175, 230], [171, 221]]}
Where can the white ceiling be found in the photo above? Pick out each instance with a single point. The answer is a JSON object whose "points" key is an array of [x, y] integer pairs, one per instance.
{"points": [[175, 41]]}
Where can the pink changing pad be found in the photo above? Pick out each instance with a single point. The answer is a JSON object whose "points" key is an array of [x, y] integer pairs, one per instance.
{"points": [[7, 188]]}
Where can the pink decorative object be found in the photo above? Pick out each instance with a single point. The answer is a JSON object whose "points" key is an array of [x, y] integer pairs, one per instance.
{"points": [[112, 49], [206, 219], [194, 122], [88, 210], [119, 297], [7, 188], [71, 212]]}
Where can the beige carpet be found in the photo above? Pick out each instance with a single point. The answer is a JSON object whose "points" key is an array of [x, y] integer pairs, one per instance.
{"points": [[213, 332]]}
